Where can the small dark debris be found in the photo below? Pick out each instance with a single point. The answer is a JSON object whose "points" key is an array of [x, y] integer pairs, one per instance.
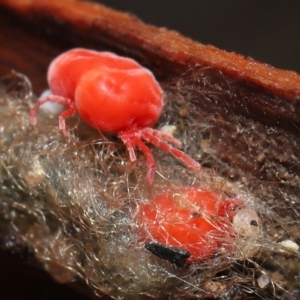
{"points": [[174, 255], [253, 223], [196, 215]]}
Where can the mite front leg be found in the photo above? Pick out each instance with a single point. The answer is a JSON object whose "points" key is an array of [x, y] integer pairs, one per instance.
{"points": [[51, 98], [132, 139], [62, 120]]}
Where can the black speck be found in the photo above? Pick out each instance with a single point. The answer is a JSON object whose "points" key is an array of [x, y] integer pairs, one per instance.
{"points": [[253, 223], [174, 255], [195, 215]]}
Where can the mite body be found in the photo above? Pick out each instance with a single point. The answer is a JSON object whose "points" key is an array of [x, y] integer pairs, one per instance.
{"points": [[194, 220], [111, 94]]}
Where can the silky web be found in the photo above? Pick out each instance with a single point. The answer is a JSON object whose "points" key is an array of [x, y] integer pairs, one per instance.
{"points": [[74, 203]]}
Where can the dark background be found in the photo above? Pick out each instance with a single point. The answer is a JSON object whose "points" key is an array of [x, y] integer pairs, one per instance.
{"points": [[268, 31]]}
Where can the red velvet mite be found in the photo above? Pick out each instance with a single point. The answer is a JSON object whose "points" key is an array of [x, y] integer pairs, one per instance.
{"points": [[111, 94]]}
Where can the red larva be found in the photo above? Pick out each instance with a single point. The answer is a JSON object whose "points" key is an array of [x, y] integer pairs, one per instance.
{"points": [[195, 220], [111, 94]]}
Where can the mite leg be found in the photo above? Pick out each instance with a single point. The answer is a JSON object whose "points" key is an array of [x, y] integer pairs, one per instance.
{"points": [[162, 136], [181, 156], [52, 98], [129, 146], [62, 120], [131, 140], [71, 110]]}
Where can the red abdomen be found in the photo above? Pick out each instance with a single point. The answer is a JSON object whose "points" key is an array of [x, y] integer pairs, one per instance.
{"points": [[111, 93]]}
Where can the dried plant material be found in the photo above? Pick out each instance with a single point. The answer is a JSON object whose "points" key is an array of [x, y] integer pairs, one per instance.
{"points": [[263, 281], [289, 245], [73, 202]]}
